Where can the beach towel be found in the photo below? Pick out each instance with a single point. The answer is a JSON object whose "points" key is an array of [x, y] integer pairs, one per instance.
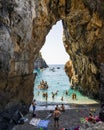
{"points": [[82, 120], [96, 118], [43, 124], [34, 121]]}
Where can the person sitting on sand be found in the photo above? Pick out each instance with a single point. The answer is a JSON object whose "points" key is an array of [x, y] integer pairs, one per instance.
{"points": [[58, 107], [91, 118], [56, 115], [62, 108]]}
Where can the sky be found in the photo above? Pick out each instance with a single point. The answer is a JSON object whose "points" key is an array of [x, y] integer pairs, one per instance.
{"points": [[53, 51]]}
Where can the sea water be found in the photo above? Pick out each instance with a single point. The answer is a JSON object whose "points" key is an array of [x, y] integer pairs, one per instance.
{"points": [[57, 80]]}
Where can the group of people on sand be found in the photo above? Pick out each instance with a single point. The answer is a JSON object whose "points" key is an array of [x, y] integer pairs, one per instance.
{"points": [[55, 114], [61, 108], [92, 118], [43, 85]]}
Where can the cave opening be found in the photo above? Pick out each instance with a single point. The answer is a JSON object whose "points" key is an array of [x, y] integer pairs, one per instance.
{"points": [[55, 57], [22, 41], [59, 86], [53, 50]]}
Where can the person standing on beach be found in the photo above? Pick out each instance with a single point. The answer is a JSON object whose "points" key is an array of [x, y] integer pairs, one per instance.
{"points": [[56, 115], [34, 106], [62, 108], [58, 107]]}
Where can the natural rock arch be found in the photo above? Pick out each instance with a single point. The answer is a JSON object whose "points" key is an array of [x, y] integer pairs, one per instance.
{"points": [[23, 28]]}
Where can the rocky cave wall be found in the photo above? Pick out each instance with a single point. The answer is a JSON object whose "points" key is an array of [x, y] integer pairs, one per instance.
{"points": [[24, 25], [40, 63], [84, 42]]}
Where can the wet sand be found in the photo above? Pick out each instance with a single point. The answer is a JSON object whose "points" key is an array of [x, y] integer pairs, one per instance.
{"points": [[71, 117]]}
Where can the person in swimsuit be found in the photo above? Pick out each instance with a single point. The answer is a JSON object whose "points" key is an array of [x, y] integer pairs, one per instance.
{"points": [[62, 108], [34, 106], [58, 108], [56, 115], [91, 118]]}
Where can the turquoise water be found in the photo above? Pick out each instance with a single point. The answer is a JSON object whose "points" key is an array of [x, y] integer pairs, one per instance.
{"points": [[57, 80]]}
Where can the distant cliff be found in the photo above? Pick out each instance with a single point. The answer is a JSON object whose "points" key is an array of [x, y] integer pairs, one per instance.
{"points": [[40, 62]]}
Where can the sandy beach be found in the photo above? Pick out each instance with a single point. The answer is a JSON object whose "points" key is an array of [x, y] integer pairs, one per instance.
{"points": [[68, 119]]}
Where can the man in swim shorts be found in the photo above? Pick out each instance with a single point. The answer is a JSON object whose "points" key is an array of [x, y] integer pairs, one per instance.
{"points": [[56, 115]]}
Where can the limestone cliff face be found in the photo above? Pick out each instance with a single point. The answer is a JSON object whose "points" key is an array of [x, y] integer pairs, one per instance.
{"points": [[24, 25], [40, 62], [84, 43]]}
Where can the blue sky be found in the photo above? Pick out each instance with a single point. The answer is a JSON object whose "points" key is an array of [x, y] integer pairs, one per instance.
{"points": [[53, 51]]}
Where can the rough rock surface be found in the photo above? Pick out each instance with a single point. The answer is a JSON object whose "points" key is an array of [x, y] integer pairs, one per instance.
{"points": [[84, 43], [40, 63], [24, 25], [101, 92]]}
